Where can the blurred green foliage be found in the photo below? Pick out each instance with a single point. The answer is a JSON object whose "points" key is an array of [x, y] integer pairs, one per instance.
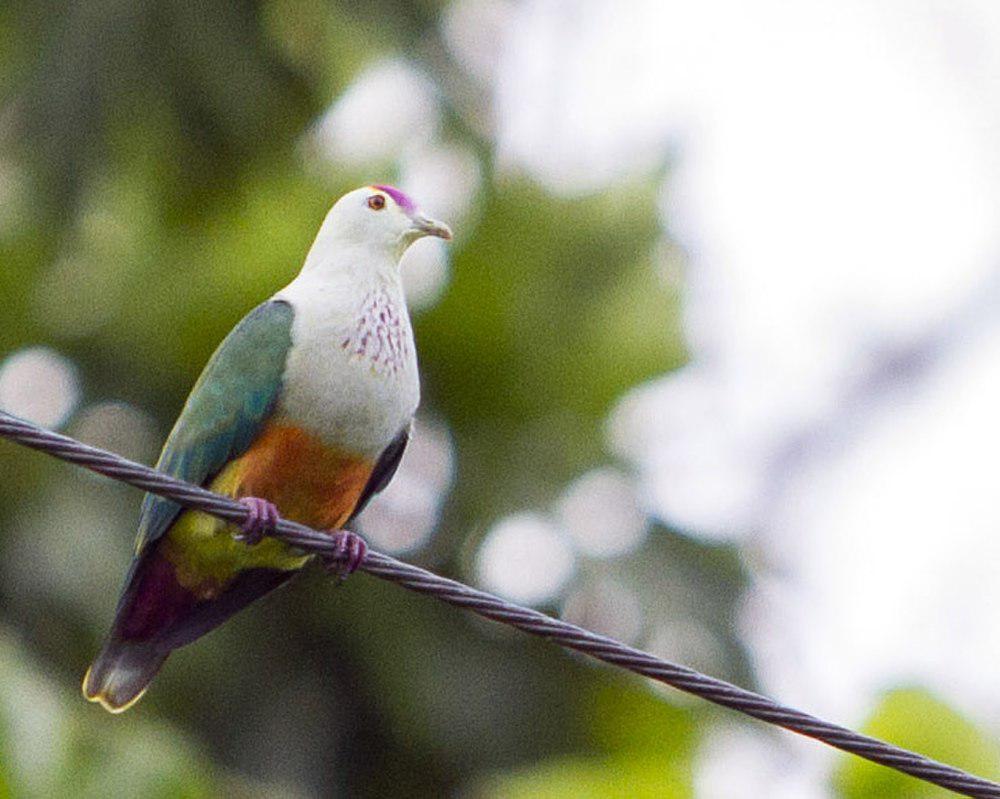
{"points": [[49, 749], [915, 719], [154, 188]]}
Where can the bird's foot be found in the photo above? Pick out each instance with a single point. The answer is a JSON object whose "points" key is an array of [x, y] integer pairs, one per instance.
{"points": [[261, 520], [349, 553]]}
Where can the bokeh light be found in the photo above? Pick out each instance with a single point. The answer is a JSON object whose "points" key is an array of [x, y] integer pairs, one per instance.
{"points": [[40, 385], [733, 761], [444, 180], [403, 517], [601, 513], [475, 32], [425, 273], [388, 109], [688, 409], [525, 558]]}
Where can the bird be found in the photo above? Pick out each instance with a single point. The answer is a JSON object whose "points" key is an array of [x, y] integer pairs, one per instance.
{"points": [[303, 412]]}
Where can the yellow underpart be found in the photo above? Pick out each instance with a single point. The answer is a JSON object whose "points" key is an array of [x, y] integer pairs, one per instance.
{"points": [[204, 549]]}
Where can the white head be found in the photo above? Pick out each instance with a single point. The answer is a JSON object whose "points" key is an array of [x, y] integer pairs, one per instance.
{"points": [[380, 220]]}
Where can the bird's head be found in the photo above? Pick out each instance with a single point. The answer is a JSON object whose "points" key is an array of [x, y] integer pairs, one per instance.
{"points": [[381, 218]]}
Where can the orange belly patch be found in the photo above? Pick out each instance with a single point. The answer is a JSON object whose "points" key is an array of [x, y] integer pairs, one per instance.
{"points": [[310, 482]]}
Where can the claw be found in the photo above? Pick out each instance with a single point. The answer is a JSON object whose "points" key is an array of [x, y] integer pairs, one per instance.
{"points": [[261, 520], [349, 553]]}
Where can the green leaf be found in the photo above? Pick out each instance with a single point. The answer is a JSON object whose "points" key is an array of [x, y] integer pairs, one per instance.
{"points": [[914, 719]]}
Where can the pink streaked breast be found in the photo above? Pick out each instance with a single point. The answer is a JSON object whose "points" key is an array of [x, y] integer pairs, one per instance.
{"points": [[379, 334]]}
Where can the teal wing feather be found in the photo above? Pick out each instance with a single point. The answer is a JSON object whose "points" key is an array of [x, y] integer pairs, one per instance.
{"points": [[229, 404]]}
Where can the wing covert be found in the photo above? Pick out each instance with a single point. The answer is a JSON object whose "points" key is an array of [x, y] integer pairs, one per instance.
{"points": [[234, 396]]}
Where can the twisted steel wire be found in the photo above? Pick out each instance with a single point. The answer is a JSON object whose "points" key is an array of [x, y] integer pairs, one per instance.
{"points": [[531, 621]]}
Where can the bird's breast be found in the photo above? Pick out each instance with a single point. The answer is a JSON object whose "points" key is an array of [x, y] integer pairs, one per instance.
{"points": [[351, 378], [380, 337]]}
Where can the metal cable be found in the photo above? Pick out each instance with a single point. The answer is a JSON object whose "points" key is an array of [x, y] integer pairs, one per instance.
{"points": [[492, 607]]}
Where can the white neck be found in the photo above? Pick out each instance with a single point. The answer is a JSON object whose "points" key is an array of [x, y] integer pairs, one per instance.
{"points": [[343, 272], [331, 256]]}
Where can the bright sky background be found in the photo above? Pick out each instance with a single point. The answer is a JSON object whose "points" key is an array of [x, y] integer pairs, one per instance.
{"points": [[834, 183]]}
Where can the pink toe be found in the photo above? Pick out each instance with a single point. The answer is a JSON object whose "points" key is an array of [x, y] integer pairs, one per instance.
{"points": [[262, 518]]}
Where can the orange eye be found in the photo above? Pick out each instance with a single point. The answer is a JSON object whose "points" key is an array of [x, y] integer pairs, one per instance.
{"points": [[376, 202]]}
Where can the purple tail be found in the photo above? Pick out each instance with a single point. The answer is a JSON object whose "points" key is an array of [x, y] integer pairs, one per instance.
{"points": [[120, 674], [155, 616]]}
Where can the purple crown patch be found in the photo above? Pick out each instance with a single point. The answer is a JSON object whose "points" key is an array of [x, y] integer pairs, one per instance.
{"points": [[402, 199]]}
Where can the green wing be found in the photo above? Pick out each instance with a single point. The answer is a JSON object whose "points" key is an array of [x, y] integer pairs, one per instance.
{"points": [[229, 404]]}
